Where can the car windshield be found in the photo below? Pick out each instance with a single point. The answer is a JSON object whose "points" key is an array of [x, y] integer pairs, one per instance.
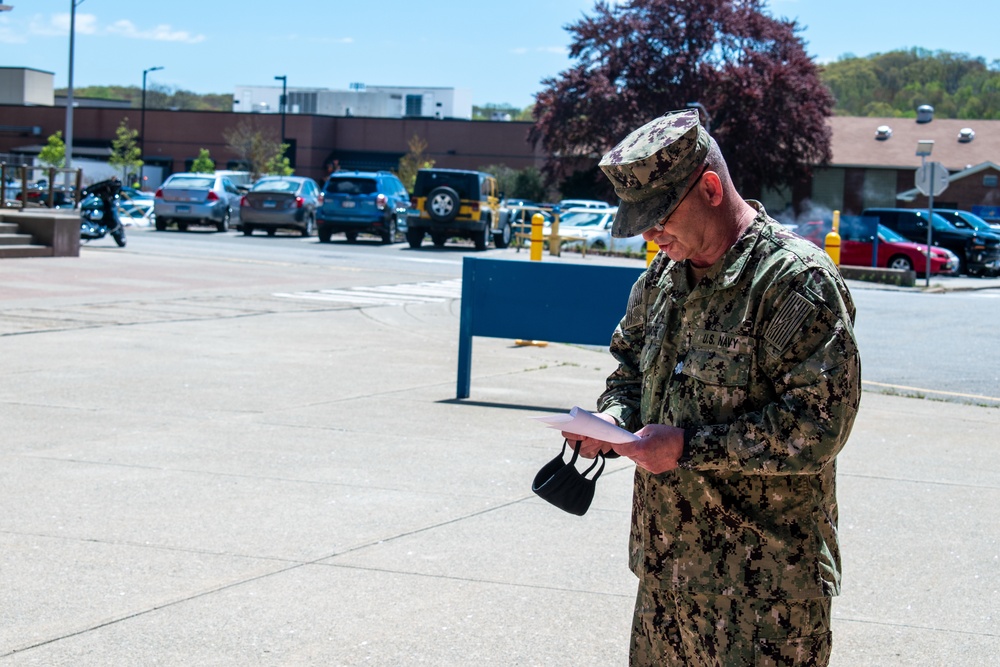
{"points": [[351, 186], [890, 236], [583, 219], [970, 220], [275, 186], [191, 182]]}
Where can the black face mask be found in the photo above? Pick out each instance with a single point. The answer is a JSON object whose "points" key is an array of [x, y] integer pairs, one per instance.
{"points": [[560, 483]]}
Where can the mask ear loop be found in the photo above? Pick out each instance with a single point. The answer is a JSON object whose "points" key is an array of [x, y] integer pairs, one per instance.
{"points": [[597, 459], [576, 452]]}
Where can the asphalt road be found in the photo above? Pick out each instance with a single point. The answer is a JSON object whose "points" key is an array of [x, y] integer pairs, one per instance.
{"points": [[934, 344]]}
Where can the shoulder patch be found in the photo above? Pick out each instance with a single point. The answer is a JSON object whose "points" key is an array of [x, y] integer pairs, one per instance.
{"points": [[635, 314], [788, 321]]}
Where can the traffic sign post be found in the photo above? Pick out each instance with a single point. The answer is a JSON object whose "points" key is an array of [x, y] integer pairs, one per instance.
{"points": [[931, 180]]}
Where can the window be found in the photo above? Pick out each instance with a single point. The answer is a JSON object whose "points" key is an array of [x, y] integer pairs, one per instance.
{"points": [[351, 186], [414, 105], [990, 181]]}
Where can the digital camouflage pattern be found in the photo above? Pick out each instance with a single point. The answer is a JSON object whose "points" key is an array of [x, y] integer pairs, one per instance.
{"points": [[678, 628], [651, 167], [758, 362]]}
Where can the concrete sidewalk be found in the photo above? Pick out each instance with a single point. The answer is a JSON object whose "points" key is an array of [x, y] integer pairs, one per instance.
{"points": [[227, 477]]}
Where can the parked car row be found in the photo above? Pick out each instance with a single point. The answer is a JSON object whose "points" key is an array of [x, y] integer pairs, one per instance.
{"points": [[449, 203], [970, 238]]}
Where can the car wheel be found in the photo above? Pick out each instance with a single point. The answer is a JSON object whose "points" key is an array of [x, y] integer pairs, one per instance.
{"points": [[389, 235], [502, 236], [307, 229], [901, 263], [443, 204], [414, 237], [482, 239], [161, 224], [351, 236], [324, 234], [247, 230], [224, 225]]}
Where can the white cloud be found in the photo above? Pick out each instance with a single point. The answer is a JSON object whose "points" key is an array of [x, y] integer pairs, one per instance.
{"points": [[57, 25], [160, 33]]}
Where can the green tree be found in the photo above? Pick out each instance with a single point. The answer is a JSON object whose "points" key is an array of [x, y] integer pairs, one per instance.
{"points": [[125, 152], [279, 164], [257, 146], [53, 154], [203, 163], [529, 184], [896, 83], [413, 161]]}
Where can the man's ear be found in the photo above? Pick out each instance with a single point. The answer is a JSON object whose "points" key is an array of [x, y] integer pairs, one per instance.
{"points": [[712, 187]]}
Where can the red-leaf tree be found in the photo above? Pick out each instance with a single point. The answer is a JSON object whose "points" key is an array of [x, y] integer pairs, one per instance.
{"points": [[763, 98]]}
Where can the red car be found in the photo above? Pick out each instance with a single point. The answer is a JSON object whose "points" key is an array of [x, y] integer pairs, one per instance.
{"points": [[896, 252]]}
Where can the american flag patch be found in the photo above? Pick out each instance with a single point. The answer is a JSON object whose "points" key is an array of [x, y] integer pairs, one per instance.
{"points": [[788, 321], [634, 314]]}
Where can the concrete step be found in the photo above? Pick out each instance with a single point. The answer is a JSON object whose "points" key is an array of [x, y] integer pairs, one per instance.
{"points": [[8, 228], [25, 250], [15, 239]]}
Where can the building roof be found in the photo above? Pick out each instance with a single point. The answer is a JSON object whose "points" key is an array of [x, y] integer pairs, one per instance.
{"points": [[854, 143]]}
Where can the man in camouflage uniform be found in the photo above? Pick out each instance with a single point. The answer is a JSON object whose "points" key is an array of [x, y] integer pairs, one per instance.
{"points": [[739, 370]]}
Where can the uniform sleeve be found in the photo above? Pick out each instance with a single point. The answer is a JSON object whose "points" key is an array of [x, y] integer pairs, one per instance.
{"points": [[621, 398], [809, 355]]}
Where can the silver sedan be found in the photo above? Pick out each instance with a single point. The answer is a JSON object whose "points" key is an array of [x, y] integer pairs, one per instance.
{"points": [[196, 199]]}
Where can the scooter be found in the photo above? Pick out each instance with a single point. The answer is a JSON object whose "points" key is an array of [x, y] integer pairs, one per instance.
{"points": [[99, 212]]}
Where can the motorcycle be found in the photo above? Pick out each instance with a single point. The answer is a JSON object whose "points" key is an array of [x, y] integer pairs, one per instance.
{"points": [[99, 212]]}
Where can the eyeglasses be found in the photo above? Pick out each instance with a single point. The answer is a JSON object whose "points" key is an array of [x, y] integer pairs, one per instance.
{"points": [[658, 227]]}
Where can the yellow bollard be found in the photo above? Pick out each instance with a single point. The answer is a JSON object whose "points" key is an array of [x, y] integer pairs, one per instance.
{"points": [[536, 237], [555, 243], [651, 250], [833, 240]]}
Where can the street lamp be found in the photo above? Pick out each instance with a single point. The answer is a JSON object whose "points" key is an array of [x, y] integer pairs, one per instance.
{"points": [[284, 102], [142, 127], [68, 137]]}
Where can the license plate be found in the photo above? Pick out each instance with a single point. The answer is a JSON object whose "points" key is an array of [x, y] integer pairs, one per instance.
{"points": [[183, 209], [347, 204], [270, 204]]}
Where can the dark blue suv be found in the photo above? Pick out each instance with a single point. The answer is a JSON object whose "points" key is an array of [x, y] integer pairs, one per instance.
{"points": [[362, 202]]}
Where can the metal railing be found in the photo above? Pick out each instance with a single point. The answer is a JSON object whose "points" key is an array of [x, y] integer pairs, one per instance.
{"points": [[19, 186]]}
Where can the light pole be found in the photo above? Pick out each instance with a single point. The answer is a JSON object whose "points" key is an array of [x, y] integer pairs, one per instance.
{"points": [[69, 88], [283, 102], [142, 127]]}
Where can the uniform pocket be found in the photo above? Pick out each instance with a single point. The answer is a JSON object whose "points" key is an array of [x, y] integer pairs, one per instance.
{"points": [[794, 652], [716, 367]]}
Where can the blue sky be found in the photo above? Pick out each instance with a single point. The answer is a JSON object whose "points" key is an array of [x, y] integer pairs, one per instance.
{"points": [[498, 50]]}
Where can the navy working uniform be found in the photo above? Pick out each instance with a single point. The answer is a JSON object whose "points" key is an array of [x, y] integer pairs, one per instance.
{"points": [[736, 549]]}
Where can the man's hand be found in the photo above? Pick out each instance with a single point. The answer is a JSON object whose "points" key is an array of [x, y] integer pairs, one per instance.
{"points": [[590, 447], [658, 449]]}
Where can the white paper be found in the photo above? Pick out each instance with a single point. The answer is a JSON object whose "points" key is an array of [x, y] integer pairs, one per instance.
{"points": [[581, 422]]}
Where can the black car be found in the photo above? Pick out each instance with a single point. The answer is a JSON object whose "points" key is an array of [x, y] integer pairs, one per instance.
{"points": [[978, 251], [362, 202]]}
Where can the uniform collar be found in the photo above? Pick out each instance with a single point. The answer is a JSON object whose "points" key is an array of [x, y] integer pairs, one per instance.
{"points": [[727, 271]]}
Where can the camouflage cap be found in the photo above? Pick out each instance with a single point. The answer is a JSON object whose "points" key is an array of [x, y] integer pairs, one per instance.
{"points": [[651, 167]]}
